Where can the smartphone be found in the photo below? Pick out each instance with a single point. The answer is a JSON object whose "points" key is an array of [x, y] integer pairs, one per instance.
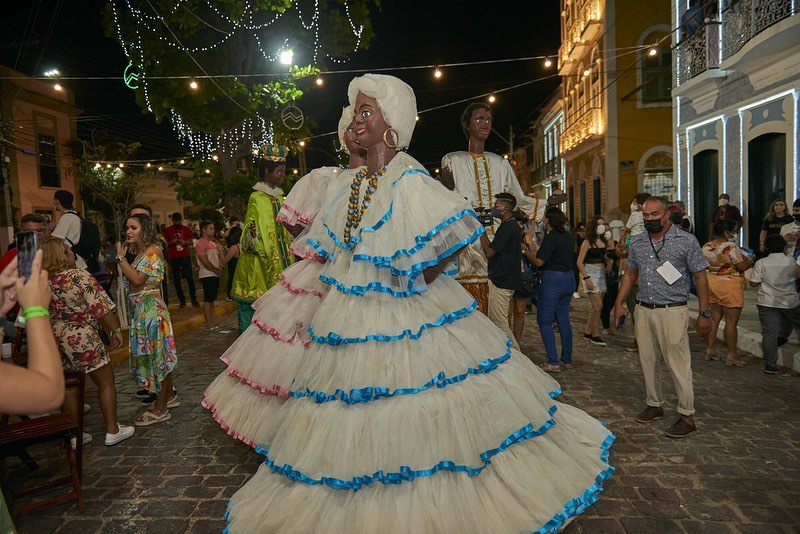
{"points": [[621, 323], [27, 245]]}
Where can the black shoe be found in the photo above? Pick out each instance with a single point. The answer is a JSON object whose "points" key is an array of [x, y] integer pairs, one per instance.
{"points": [[681, 429], [782, 341], [150, 399], [142, 393], [649, 414], [195, 304], [771, 370], [597, 341], [588, 337]]}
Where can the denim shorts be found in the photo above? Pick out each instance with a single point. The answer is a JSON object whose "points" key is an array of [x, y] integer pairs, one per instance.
{"points": [[597, 273]]}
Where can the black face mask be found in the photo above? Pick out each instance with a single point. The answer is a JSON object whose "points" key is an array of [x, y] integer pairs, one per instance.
{"points": [[796, 217], [653, 226]]}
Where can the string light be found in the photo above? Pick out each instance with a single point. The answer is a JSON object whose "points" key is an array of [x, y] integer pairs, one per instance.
{"points": [[208, 171], [287, 56], [437, 73], [302, 143], [548, 63], [121, 165], [183, 161], [160, 168], [215, 157], [57, 86], [653, 51], [193, 84], [492, 99], [319, 81], [586, 72]]}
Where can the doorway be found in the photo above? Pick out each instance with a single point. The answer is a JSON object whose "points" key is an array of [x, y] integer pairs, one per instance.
{"points": [[705, 167], [766, 180]]}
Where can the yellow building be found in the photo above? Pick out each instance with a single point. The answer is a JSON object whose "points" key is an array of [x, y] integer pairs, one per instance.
{"points": [[39, 127], [616, 102]]}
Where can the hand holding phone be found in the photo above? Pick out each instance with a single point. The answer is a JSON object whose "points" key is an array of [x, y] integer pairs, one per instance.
{"points": [[621, 322], [27, 245]]}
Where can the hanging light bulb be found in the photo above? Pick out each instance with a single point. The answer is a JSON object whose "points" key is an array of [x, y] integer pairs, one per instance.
{"points": [[160, 168], [208, 171], [148, 165], [653, 51], [302, 143], [492, 99], [437, 73], [121, 165], [182, 161], [286, 56], [319, 81], [547, 62], [193, 84], [585, 72], [57, 86], [215, 157]]}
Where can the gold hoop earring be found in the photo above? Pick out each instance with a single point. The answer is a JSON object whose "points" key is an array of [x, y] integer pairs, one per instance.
{"points": [[394, 135]]}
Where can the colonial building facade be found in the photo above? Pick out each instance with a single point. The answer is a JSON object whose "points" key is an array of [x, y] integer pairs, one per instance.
{"points": [[735, 107]]}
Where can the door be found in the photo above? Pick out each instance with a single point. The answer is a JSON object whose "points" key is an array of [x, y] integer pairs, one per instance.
{"points": [[766, 181], [705, 184]]}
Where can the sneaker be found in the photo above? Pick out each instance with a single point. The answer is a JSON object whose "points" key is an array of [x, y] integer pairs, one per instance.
{"points": [[771, 370], [123, 433], [681, 429], [650, 414], [633, 347], [575, 295], [87, 438], [588, 337], [597, 341]]}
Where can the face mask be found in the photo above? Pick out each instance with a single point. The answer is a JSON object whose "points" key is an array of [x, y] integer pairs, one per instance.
{"points": [[496, 213], [634, 206], [653, 226], [607, 235], [601, 229], [723, 202]]}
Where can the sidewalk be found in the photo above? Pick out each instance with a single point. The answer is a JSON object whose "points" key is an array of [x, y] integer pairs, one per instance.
{"points": [[750, 332]]}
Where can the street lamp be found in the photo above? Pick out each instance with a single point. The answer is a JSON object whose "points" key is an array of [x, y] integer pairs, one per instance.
{"points": [[286, 56]]}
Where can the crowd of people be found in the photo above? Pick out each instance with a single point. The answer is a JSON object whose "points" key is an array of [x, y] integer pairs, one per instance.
{"points": [[359, 308]]}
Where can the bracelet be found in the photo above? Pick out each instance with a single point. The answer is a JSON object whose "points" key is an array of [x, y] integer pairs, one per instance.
{"points": [[116, 330], [120, 259], [31, 312], [586, 277]]}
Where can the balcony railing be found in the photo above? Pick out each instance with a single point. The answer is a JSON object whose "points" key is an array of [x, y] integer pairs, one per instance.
{"points": [[581, 129], [588, 14], [698, 52], [744, 19]]}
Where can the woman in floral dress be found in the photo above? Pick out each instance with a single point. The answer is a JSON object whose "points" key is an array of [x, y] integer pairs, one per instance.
{"points": [[152, 345], [78, 309]]}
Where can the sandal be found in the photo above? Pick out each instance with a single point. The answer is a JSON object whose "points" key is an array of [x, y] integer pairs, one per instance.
{"points": [[710, 355], [149, 418], [549, 368], [173, 402]]}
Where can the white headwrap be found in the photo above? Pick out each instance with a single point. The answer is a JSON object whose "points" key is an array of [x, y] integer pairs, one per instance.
{"points": [[396, 100], [344, 122]]}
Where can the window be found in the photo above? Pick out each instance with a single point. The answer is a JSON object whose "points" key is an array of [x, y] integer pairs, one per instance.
{"points": [[597, 197], [571, 203], [583, 201], [657, 76], [48, 165]]}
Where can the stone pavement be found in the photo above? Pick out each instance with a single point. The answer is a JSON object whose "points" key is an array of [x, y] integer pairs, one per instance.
{"points": [[740, 473]]}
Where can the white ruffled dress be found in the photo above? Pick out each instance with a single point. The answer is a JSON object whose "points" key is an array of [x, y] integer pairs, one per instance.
{"points": [[384, 404]]}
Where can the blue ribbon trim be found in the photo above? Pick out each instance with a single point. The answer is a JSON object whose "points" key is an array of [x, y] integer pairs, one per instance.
{"points": [[406, 473], [360, 291], [440, 381], [335, 339], [578, 505], [355, 239]]}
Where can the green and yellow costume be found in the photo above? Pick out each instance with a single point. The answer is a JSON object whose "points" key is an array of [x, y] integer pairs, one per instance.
{"points": [[265, 250]]}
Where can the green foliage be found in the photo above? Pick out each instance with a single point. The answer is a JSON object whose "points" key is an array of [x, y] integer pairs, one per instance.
{"points": [[161, 28], [210, 190]]}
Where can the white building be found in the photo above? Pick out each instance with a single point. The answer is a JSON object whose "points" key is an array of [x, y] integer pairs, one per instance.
{"points": [[735, 108]]}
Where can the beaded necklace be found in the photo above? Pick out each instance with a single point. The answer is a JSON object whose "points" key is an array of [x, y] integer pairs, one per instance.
{"points": [[354, 213]]}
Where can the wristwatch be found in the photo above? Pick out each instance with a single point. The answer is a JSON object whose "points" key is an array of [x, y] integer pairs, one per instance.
{"points": [[706, 314]]}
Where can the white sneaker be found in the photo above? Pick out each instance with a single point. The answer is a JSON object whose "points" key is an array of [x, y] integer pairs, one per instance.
{"points": [[87, 438], [576, 295], [123, 433]]}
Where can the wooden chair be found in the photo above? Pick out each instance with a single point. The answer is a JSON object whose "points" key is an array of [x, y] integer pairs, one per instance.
{"points": [[59, 427]]}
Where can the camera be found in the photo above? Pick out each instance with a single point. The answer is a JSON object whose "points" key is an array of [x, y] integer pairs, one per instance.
{"points": [[485, 216]]}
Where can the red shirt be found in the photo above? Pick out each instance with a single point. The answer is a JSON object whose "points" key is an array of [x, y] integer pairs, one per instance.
{"points": [[179, 239]]}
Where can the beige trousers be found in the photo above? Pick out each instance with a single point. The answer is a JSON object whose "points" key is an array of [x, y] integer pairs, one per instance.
{"points": [[499, 300], [661, 333]]}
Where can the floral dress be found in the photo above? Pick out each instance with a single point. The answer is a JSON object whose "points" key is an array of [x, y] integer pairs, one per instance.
{"points": [[78, 303], [152, 344]]}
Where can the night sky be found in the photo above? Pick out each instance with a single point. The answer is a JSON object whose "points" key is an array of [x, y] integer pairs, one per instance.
{"points": [[70, 38]]}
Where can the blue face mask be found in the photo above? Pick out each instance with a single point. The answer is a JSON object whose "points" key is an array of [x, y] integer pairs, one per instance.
{"points": [[496, 213]]}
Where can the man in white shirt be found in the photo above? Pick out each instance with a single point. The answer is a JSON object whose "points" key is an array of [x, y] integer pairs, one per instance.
{"points": [[778, 302], [69, 222], [791, 231]]}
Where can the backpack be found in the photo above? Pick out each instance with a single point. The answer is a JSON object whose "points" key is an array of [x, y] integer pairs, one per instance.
{"points": [[88, 245]]}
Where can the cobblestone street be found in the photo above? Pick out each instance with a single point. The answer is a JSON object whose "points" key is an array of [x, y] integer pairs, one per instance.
{"points": [[740, 473]]}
